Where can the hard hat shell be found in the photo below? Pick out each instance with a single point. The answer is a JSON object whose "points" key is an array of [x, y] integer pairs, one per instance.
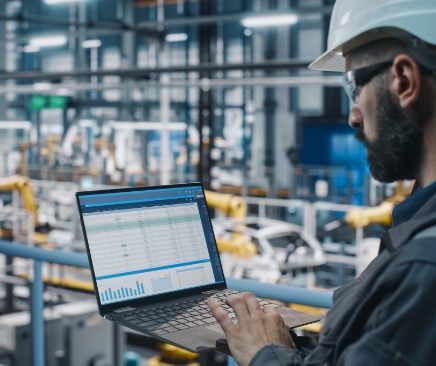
{"points": [[358, 22]]}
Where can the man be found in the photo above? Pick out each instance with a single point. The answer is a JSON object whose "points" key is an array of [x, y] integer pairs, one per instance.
{"points": [[387, 316]]}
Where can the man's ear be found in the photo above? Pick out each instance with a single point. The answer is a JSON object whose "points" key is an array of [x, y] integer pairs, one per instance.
{"points": [[406, 81]]}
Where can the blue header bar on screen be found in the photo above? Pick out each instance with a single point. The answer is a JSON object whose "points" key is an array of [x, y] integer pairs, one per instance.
{"points": [[139, 195], [134, 201]]}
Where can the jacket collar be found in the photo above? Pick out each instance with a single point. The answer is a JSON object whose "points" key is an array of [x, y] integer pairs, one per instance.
{"points": [[401, 234], [407, 209]]}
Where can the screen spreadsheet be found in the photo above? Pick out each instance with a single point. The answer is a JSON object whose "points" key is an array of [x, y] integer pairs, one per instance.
{"points": [[149, 242]]}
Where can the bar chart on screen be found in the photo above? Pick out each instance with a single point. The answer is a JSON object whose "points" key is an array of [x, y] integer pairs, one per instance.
{"points": [[115, 291]]}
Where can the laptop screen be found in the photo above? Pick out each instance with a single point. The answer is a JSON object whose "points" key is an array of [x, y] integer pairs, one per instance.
{"points": [[148, 242]]}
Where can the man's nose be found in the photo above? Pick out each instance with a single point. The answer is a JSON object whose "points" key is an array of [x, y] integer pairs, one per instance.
{"points": [[355, 119]]}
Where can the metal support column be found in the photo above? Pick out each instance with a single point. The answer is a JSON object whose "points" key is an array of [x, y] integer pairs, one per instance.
{"points": [[165, 121], [207, 50], [9, 303], [126, 15], [6, 145], [118, 344], [270, 105], [37, 317]]}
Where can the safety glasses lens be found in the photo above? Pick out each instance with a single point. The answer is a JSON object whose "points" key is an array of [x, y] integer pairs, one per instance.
{"points": [[350, 86]]}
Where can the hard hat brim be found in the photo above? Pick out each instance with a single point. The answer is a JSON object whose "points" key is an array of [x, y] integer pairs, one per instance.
{"points": [[329, 61]]}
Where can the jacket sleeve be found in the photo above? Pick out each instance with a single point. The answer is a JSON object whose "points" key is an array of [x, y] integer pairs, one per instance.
{"points": [[400, 328], [275, 355]]}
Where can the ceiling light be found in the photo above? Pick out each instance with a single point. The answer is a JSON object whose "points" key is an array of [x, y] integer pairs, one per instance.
{"points": [[176, 37], [31, 49], [63, 92], [48, 41], [6, 125], [268, 21], [147, 126], [42, 86], [55, 2], [91, 43]]}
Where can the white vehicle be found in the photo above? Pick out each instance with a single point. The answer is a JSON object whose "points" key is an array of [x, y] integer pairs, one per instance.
{"points": [[282, 248]]}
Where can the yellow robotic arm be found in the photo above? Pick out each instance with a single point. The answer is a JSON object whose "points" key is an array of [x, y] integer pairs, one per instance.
{"points": [[381, 214], [230, 205], [24, 149], [22, 185], [234, 207]]}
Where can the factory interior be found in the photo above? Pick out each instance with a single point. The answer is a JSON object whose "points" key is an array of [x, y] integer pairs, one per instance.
{"points": [[105, 94]]}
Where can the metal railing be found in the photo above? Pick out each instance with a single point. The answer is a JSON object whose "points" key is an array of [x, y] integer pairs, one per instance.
{"points": [[38, 255], [310, 210], [37, 302]]}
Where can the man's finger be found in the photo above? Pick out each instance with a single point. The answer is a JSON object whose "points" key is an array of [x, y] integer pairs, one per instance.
{"points": [[252, 303], [220, 315], [269, 310], [237, 303], [271, 313]]}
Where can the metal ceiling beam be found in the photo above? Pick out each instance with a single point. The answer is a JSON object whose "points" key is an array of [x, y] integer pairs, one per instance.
{"points": [[302, 13], [90, 32], [289, 64], [146, 3], [89, 25], [102, 103], [149, 28], [275, 82]]}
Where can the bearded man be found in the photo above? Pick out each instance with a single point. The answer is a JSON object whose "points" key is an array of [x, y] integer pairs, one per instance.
{"points": [[387, 316]]}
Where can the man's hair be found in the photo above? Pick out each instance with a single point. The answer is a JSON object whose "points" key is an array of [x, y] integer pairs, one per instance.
{"points": [[378, 51], [382, 50]]}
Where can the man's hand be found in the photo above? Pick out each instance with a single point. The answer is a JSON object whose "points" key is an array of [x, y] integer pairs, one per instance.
{"points": [[255, 329]]}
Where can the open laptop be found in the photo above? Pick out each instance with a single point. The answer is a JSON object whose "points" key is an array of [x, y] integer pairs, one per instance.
{"points": [[155, 262]]}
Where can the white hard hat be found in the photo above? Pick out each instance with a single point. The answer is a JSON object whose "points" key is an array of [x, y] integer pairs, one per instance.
{"points": [[358, 22]]}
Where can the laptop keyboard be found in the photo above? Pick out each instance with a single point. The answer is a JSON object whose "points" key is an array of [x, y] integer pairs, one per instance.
{"points": [[179, 316]]}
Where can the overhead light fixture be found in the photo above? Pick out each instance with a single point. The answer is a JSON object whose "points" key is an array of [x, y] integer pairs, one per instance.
{"points": [[12, 125], [55, 2], [147, 126], [269, 21], [52, 41], [64, 92], [31, 49], [91, 43], [42, 86], [176, 37]]}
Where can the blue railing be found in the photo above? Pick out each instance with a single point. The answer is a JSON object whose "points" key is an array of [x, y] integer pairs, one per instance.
{"points": [[281, 293]]}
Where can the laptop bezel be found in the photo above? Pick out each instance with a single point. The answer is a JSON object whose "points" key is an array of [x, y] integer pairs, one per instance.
{"points": [[105, 309]]}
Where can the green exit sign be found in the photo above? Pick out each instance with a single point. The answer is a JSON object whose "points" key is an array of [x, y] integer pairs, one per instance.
{"points": [[38, 102]]}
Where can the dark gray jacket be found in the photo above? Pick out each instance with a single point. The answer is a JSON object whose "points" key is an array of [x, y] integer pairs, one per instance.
{"points": [[387, 316]]}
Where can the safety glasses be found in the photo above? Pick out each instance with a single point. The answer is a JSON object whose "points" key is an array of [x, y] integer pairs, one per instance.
{"points": [[359, 77]]}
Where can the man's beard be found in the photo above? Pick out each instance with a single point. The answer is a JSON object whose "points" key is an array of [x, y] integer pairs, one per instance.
{"points": [[396, 152]]}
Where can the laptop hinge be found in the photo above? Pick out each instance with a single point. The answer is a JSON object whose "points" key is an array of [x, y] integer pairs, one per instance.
{"points": [[123, 309], [210, 292]]}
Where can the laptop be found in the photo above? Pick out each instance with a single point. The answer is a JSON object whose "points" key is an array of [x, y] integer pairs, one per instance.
{"points": [[154, 263]]}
